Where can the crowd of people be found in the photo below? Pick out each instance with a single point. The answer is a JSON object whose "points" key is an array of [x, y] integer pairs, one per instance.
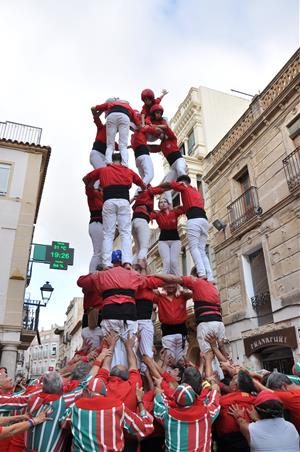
{"points": [[125, 389]]}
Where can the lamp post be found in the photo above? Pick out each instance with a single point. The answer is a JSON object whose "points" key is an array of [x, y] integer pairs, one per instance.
{"points": [[46, 292]]}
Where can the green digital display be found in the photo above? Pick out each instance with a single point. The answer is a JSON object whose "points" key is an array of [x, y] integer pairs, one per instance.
{"points": [[59, 255]]}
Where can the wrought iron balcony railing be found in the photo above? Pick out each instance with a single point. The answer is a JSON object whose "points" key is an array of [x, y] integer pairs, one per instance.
{"points": [[244, 208], [260, 300], [291, 165], [20, 132]]}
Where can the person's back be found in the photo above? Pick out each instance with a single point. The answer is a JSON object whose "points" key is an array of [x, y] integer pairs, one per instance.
{"points": [[273, 435]]}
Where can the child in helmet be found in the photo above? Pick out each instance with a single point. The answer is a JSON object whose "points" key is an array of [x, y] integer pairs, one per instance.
{"points": [[149, 100]]}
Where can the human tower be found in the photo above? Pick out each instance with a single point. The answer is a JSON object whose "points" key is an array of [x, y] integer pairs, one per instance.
{"points": [[118, 292]]}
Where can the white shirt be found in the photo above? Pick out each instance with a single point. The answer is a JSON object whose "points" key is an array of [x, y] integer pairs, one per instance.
{"points": [[268, 435]]}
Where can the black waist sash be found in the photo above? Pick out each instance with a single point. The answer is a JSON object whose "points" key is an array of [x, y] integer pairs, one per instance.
{"points": [[179, 328], [173, 157], [119, 109], [99, 146], [141, 150], [116, 192], [195, 212], [119, 311], [142, 215], [168, 234], [143, 308], [96, 215]]}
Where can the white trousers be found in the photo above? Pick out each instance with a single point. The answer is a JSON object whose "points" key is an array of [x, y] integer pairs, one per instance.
{"points": [[141, 236], [116, 210], [94, 337], [175, 345], [96, 234], [218, 329], [178, 168], [117, 122], [122, 328], [197, 233], [146, 334], [97, 160], [169, 251], [145, 168]]}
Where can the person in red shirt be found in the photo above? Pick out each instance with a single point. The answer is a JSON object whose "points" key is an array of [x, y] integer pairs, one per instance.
{"points": [[143, 160], [149, 100], [169, 244], [144, 299], [118, 286], [197, 224], [115, 181], [172, 154], [227, 432], [97, 155], [142, 209], [118, 116], [95, 203], [288, 393], [172, 315]]}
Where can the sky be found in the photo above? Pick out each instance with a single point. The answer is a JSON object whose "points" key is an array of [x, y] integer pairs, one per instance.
{"points": [[61, 57]]}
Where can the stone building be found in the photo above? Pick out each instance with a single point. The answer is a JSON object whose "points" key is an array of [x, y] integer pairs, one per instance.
{"points": [[23, 167], [253, 188], [70, 334]]}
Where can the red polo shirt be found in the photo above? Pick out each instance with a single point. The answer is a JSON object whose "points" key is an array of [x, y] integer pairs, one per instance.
{"points": [[291, 402], [171, 311], [226, 423]]}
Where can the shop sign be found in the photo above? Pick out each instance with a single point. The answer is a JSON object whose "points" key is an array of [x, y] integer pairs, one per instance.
{"points": [[284, 338]]}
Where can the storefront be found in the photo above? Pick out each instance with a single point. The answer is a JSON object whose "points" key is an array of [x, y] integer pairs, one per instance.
{"points": [[274, 349]]}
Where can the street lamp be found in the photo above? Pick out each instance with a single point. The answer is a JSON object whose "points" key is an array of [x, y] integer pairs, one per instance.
{"points": [[46, 291]]}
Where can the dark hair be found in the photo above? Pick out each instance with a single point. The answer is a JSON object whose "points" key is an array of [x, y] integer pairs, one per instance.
{"points": [[270, 409], [180, 369], [80, 371], [184, 178], [265, 379], [116, 157], [245, 383], [192, 377], [121, 373]]}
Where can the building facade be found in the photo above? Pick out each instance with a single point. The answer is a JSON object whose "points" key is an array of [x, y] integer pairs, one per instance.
{"points": [[70, 338], [253, 188], [23, 167], [40, 358]]}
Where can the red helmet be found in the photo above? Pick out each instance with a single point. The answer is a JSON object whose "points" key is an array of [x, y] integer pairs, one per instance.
{"points": [[147, 93], [156, 107]]}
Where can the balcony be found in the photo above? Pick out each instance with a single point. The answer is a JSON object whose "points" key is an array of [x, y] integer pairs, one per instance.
{"points": [[20, 132], [261, 303], [29, 325], [243, 209], [291, 165]]}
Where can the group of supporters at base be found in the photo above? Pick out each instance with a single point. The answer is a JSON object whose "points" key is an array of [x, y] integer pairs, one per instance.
{"points": [[91, 405], [108, 185]]}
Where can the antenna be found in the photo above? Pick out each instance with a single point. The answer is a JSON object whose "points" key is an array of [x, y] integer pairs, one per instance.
{"points": [[241, 92]]}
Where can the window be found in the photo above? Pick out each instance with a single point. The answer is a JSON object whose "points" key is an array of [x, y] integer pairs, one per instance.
{"points": [[45, 351], [4, 177], [182, 149], [257, 286], [199, 184], [53, 350], [243, 180], [191, 142], [294, 130]]}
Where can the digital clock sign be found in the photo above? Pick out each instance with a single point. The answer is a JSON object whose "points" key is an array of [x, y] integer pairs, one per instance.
{"points": [[60, 255]]}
